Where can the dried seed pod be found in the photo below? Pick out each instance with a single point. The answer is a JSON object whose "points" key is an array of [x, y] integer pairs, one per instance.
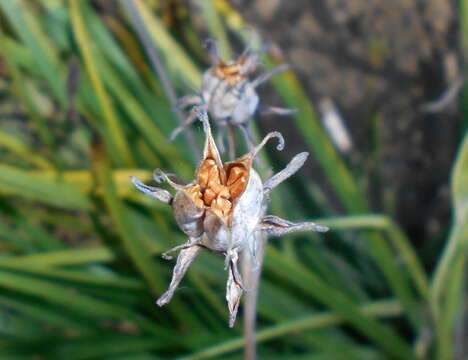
{"points": [[228, 92], [222, 209]]}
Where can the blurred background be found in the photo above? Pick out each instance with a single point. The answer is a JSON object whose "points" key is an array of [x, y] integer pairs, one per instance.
{"points": [[380, 89]]}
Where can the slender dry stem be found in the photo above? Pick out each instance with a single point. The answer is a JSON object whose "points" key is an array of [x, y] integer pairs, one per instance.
{"points": [[251, 275]]}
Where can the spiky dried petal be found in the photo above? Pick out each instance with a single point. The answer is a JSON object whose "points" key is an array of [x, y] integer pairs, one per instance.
{"points": [[185, 258], [293, 166], [158, 193], [276, 226], [234, 291]]}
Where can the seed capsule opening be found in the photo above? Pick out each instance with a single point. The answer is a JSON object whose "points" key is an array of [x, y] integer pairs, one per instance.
{"points": [[211, 192], [217, 186]]}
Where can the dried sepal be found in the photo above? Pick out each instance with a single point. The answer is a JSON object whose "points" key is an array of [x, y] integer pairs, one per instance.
{"points": [[188, 100], [275, 110], [158, 193], [276, 226], [234, 289], [188, 120], [185, 258], [261, 79], [293, 166]]}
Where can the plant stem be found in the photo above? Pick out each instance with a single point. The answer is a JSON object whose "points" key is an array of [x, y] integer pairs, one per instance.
{"points": [[251, 273], [114, 136]]}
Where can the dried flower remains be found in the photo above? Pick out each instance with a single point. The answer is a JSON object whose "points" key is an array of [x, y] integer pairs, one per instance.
{"points": [[223, 209], [228, 92]]}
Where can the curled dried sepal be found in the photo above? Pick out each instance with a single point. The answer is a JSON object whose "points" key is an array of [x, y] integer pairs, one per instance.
{"points": [[159, 194], [188, 120], [270, 135], [160, 176]]}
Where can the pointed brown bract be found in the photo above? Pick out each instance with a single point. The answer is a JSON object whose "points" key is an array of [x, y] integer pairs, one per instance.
{"points": [[222, 209], [216, 187]]}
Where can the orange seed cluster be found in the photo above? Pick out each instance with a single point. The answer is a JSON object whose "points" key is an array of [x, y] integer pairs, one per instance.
{"points": [[217, 188], [230, 73]]}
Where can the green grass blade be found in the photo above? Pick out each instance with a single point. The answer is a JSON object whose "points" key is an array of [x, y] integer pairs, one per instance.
{"points": [[312, 321], [44, 314], [458, 240], [396, 236], [117, 143], [81, 181], [84, 305], [337, 173], [74, 277], [214, 23], [332, 298], [17, 326], [68, 257], [20, 89], [450, 273], [147, 128], [106, 347], [453, 310], [42, 239], [176, 59], [464, 46], [17, 146], [52, 192], [135, 249], [45, 55]]}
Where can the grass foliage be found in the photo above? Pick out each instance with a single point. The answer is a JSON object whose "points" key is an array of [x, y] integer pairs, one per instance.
{"points": [[81, 110]]}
